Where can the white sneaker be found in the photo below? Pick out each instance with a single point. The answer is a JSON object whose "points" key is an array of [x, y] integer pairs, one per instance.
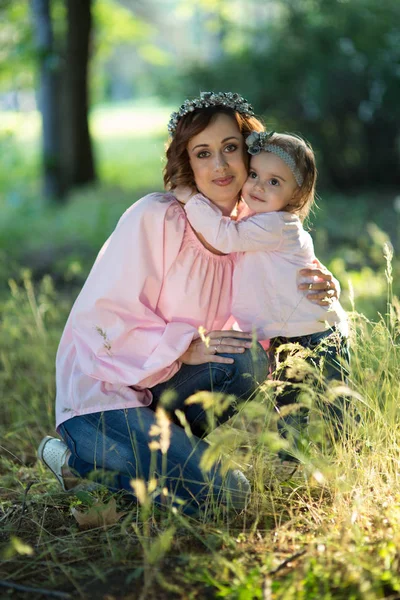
{"points": [[53, 453]]}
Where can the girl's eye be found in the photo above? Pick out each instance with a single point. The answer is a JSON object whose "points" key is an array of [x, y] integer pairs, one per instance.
{"points": [[252, 175], [203, 154], [231, 148], [274, 182]]}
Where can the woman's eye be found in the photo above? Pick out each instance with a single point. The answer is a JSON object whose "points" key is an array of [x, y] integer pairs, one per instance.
{"points": [[231, 148], [203, 154], [274, 182]]}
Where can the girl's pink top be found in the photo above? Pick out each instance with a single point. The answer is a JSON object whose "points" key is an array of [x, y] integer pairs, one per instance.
{"points": [[152, 286], [274, 247]]}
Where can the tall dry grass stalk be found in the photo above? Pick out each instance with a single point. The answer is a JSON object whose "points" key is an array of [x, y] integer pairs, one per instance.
{"points": [[341, 508]]}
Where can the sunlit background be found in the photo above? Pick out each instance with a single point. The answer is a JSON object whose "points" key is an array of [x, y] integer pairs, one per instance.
{"points": [[326, 69]]}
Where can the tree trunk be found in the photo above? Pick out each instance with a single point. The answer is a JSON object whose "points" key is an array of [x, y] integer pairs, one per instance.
{"points": [[77, 166], [47, 97]]}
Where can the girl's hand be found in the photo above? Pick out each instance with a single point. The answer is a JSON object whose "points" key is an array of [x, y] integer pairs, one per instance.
{"points": [[183, 193], [217, 342], [322, 292]]}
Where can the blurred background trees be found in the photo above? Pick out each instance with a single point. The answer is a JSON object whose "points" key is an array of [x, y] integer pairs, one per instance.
{"points": [[329, 69], [63, 63], [326, 69]]}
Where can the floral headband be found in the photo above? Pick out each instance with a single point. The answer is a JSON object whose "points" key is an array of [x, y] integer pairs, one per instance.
{"points": [[206, 99], [257, 142]]}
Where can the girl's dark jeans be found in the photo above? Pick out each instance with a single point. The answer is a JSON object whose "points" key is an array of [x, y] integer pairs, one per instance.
{"points": [[331, 356]]}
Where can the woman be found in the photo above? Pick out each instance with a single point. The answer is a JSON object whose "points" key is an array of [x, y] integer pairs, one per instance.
{"points": [[133, 332]]}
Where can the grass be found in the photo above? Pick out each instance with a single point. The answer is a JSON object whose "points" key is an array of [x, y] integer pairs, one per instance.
{"points": [[332, 531], [128, 144]]}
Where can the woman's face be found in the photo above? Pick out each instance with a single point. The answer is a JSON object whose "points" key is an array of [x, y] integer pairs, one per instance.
{"points": [[216, 156]]}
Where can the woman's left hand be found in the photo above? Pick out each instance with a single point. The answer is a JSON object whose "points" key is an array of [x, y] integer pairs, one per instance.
{"points": [[322, 292]]}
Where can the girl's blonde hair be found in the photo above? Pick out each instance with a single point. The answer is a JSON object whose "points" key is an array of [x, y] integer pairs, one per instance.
{"points": [[303, 154]]}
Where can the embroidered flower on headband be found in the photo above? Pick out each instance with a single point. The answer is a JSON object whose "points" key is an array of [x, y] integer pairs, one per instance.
{"points": [[258, 142], [206, 99]]}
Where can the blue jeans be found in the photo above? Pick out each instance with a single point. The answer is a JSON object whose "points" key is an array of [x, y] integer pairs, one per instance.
{"points": [[240, 379], [331, 353], [113, 446]]}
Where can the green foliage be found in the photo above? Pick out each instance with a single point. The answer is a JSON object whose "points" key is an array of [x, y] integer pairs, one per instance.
{"points": [[64, 241], [331, 532], [30, 327], [114, 24], [358, 259], [326, 69], [116, 27], [16, 46]]}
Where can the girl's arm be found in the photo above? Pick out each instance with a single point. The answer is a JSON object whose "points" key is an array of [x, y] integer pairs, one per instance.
{"points": [[265, 232]]}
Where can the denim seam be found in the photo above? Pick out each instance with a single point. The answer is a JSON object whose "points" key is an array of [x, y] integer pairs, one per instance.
{"points": [[112, 429], [227, 374]]}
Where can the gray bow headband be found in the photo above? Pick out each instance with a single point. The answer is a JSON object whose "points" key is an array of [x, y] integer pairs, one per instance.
{"points": [[257, 142]]}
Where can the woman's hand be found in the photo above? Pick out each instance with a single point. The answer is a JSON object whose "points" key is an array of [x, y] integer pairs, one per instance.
{"points": [[183, 193], [321, 292], [216, 342]]}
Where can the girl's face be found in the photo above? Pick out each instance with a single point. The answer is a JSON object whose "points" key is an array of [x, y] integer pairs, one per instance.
{"points": [[270, 186], [216, 156]]}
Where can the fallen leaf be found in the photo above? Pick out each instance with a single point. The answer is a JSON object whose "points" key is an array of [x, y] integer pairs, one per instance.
{"points": [[98, 515]]}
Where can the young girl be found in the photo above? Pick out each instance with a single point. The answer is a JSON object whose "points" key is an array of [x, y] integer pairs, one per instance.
{"points": [[279, 193]]}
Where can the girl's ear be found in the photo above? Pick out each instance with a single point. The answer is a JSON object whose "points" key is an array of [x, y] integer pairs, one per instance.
{"points": [[294, 199], [293, 204]]}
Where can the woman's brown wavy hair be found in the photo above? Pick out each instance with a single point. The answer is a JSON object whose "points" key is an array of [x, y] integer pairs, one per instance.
{"points": [[178, 171]]}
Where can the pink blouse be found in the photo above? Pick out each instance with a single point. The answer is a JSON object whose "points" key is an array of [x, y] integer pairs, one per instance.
{"points": [[273, 247], [152, 286]]}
